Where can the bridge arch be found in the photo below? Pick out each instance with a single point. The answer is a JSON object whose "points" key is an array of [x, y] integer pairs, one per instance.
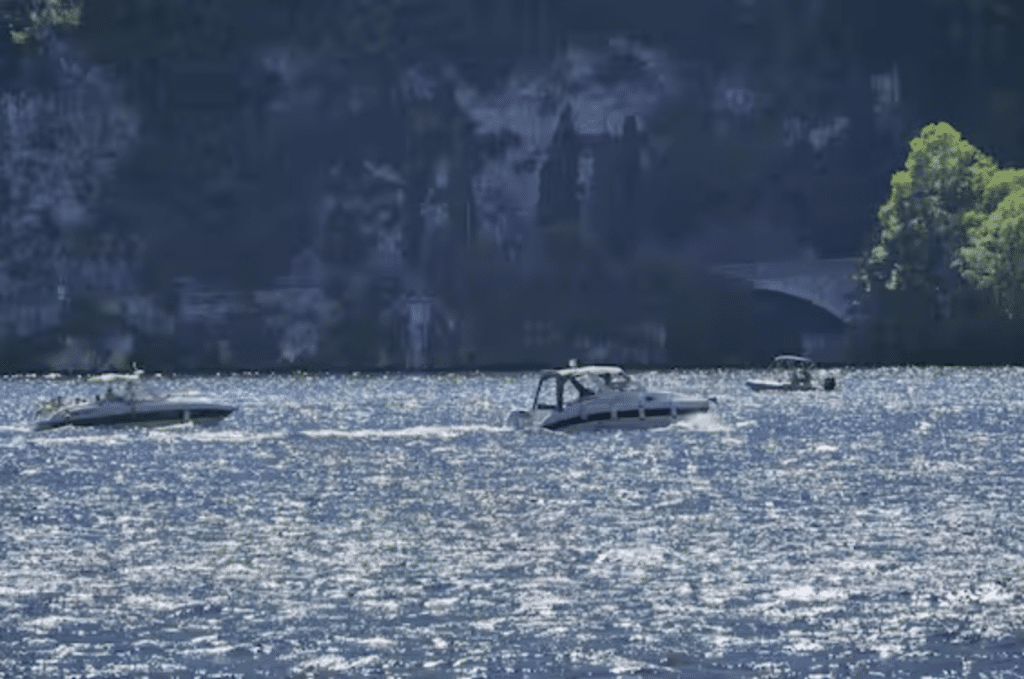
{"points": [[834, 308], [797, 311], [826, 283]]}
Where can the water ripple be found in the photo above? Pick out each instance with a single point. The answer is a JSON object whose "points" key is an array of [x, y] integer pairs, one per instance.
{"points": [[390, 525]]}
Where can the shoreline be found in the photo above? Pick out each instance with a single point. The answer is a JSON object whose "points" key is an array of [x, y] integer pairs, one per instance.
{"points": [[473, 370]]}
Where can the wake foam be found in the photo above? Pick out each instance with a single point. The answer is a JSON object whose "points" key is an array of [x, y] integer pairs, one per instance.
{"points": [[422, 431]]}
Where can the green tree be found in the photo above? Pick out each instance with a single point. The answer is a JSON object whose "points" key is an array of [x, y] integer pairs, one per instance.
{"points": [[993, 260], [913, 274]]}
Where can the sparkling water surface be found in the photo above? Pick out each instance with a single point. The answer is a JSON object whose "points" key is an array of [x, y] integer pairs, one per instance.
{"points": [[391, 525]]}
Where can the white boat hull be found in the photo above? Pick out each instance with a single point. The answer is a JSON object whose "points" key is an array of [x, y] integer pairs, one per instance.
{"points": [[139, 413], [594, 417], [628, 417], [773, 385]]}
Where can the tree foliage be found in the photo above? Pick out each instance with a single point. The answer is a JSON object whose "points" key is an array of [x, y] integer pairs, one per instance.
{"points": [[993, 260], [31, 20], [949, 252], [924, 224]]}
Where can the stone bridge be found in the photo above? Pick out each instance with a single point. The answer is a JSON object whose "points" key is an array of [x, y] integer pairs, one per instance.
{"points": [[825, 283]]}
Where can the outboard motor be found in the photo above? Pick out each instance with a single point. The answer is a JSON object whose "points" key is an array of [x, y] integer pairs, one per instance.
{"points": [[829, 383]]}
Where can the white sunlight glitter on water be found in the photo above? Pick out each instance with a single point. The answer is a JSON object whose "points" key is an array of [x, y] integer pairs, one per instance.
{"points": [[360, 525]]}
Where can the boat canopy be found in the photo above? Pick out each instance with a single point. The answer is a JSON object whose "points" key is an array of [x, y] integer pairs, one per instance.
{"points": [[575, 371], [791, 358], [791, 361], [559, 386]]}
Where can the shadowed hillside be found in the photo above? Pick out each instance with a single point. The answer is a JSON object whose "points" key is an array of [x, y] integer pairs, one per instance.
{"points": [[361, 154]]}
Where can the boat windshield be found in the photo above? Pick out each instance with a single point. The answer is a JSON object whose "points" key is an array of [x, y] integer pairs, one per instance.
{"points": [[622, 382], [595, 382], [128, 391]]}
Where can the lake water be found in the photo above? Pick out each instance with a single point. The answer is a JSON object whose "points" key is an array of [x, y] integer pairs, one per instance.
{"points": [[392, 526]]}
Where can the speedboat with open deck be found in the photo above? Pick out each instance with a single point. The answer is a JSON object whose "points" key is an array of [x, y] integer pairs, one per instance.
{"points": [[792, 373], [127, 402], [595, 397]]}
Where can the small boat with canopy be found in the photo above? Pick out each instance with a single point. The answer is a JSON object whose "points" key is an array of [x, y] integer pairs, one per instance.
{"points": [[792, 373]]}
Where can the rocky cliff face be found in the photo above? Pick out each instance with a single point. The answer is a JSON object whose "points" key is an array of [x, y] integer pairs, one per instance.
{"points": [[427, 216], [61, 141]]}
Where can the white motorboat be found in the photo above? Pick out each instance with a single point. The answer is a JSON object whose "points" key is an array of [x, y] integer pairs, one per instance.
{"points": [[127, 402], [792, 373], [588, 398]]}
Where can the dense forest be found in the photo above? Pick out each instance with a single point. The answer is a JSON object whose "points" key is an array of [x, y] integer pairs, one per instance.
{"points": [[248, 140]]}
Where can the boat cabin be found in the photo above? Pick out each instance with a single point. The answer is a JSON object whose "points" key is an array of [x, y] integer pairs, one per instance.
{"points": [[800, 369], [557, 388], [120, 386]]}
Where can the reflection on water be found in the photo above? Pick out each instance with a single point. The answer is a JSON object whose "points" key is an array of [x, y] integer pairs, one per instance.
{"points": [[389, 525]]}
